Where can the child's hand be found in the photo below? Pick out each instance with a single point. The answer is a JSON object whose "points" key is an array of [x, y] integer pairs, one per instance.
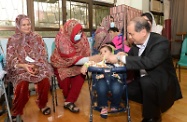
{"points": [[84, 69]]}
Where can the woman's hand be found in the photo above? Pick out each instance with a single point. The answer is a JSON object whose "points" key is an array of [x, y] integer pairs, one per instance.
{"points": [[84, 69], [30, 68], [96, 58], [35, 69]]}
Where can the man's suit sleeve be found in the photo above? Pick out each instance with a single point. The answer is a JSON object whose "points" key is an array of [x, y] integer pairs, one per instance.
{"points": [[155, 54]]}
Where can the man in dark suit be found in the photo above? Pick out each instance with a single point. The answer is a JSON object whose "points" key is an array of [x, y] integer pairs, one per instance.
{"points": [[155, 83]]}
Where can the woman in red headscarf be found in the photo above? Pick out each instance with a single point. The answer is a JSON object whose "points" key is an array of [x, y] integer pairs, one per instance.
{"points": [[27, 62], [71, 52]]}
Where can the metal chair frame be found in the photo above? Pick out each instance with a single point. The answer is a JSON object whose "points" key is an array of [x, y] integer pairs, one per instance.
{"points": [[90, 85]]}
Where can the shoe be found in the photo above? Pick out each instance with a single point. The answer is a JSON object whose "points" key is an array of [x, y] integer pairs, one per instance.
{"points": [[72, 107], [46, 111], [116, 110], [2, 112], [16, 118], [104, 113], [156, 119]]}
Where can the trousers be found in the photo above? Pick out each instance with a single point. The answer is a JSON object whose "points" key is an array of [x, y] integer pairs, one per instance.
{"points": [[21, 95]]}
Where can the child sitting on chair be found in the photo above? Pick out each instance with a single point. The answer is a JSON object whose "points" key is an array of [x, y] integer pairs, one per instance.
{"points": [[103, 86]]}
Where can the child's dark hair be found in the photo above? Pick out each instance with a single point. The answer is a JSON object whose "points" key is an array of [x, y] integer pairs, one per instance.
{"points": [[149, 16], [111, 43], [114, 29], [109, 46]]}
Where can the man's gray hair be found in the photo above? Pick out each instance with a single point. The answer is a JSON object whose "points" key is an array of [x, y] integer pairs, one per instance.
{"points": [[141, 23]]}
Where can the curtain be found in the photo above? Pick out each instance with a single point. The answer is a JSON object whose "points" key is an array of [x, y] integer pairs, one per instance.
{"points": [[178, 14]]}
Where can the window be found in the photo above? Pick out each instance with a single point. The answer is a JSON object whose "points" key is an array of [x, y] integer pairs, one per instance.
{"points": [[9, 10], [48, 14], [78, 11], [99, 12]]}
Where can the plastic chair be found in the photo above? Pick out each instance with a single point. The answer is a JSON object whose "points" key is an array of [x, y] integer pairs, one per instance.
{"points": [[51, 46], [183, 58], [107, 74]]}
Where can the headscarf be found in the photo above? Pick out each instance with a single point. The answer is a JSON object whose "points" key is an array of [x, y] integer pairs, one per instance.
{"points": [[67, 52], [153, 24], [18, 21], [154, 27], [101, 34], [22, 45], [105, 22]]}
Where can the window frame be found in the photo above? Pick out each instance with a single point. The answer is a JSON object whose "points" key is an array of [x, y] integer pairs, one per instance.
{"points": [[30, 13]]}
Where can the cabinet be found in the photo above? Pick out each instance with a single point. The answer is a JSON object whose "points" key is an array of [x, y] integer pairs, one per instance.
{"points": [[157, 9]]}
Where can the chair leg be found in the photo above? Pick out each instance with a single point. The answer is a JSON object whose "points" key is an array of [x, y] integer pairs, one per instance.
{"points": [[52, 93], [176, 65], [7, 102], [55, 91], [179, 70]]}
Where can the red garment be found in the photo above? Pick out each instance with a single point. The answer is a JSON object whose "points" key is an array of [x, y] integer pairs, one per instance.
{"points": [[22, 45], [101, 34], [21, 95], [67, 52], [71, 86]]}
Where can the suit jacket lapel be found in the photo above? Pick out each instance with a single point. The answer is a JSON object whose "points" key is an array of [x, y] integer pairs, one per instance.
{"points": [[148, 45], [136, 50]]}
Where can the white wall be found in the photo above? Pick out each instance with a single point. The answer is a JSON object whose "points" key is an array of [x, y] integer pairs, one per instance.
{"points": [[138, 4], [166, 9], [126, 2], [145, 5]]}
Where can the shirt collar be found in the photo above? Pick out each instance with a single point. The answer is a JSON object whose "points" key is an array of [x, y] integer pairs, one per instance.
{"points": [[145, 43]]}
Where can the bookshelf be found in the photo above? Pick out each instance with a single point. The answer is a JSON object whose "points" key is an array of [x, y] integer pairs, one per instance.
{"points": [[157, 9]]}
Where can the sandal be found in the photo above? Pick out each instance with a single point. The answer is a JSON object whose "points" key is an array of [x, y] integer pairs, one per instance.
{"points": [[2, 112], [46, 111], [14, 119], [71, 107], [113, 110], [116, 110], [104, 113]]}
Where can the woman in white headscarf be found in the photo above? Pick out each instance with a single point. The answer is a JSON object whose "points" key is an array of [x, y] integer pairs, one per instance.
{"points": [[154, 27]]}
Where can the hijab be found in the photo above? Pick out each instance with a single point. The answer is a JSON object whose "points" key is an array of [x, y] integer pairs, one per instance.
{"points": [[66, 45], [68, 51]]}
